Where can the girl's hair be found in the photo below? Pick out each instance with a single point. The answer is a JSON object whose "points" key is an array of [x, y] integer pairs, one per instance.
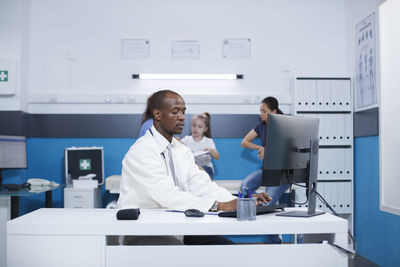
{"points": [[205, 117], [272, 103]]}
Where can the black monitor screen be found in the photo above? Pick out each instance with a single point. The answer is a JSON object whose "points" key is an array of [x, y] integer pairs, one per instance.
{"points": [[12, 152], [287, 149]]}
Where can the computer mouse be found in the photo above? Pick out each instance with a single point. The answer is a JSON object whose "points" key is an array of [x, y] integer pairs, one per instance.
{"points": [[193, 213]]}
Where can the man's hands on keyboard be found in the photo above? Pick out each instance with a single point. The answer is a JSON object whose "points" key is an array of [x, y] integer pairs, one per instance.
{"points": [[262, 198]]}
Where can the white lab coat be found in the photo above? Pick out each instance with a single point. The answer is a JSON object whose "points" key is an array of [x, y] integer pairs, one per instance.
{"points": [[146, 180]]}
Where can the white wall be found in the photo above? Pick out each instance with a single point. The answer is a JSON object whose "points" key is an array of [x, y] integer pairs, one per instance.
{"points": [[389, 132], [289, 38], [11, 35]]}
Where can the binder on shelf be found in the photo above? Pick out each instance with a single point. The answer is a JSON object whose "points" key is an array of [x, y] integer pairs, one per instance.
{"points": [[341, 197], [347, 100], [320, 190], [299, 94], [333, 128], [306, 93], [348, 128], [341, 171], [330, 128], [348, 163], [345, 93], [323, 128], [334, 163], [321, 164], [331, 162], [324, 87], [335, 95], [311, 94], [327, 193], [320, 97], [341, 130], [348, 196]]}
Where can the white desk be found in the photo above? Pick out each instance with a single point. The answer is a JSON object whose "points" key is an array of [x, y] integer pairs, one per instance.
{"points": [[9, 205], [78, 237]]}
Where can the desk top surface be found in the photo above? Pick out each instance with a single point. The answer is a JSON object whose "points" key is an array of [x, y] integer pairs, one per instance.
{"points": [[34, 190], [161, 222]]}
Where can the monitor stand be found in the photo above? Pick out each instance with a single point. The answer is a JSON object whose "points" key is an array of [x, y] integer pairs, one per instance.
{"points": [[311, 185]]}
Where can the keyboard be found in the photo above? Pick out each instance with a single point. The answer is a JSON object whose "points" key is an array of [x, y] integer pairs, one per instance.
{"points": [[259, 210]]}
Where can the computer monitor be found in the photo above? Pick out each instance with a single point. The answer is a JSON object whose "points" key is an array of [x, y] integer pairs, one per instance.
{"points": [[12, 153], [291, 156]]}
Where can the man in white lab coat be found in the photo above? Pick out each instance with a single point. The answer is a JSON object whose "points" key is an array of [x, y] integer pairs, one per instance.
{"points": [[160, 172]]}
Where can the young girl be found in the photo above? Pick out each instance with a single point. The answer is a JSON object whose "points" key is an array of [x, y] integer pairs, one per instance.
{"points": [[201, 143]]}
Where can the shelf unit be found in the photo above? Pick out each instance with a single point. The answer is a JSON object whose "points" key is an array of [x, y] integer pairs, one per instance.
{"points": [[330, 100]]}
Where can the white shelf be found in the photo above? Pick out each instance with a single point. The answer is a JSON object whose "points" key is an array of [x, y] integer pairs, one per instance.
{"points": [[331, 101]]}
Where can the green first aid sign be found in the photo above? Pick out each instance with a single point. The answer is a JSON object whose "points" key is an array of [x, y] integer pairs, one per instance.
{"points": [[85, 165], [3, 75]]}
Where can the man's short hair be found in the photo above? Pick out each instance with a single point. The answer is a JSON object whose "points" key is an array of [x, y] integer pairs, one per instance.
{"points": [[157, 99]]}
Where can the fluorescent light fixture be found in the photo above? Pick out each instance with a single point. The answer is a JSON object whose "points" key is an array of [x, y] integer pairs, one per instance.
{"points": [[187, 76]]}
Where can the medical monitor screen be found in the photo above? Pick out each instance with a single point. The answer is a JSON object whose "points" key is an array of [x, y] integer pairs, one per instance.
{"points": [[287, 149], [12, 152]]}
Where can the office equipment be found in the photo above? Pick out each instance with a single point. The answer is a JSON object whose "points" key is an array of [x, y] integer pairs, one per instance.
{"points": [[113, 183], [82, 161], [291, 156], [193, 213], [260, 210], [128, 214], [195, 76], [39, 182], [15, 187], [246, 208], [75, 197], [84, 173], [12, 153], [85, 234], [76, 183]]}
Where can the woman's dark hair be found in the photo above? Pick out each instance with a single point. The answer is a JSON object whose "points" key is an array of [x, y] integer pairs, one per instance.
{"points": [[206, 119], [147, 114], [272, 103]]}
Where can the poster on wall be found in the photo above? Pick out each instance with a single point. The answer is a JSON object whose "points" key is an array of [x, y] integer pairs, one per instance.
{"points": [[367, 96], [236, 48], [135, 48], [185, 50]]}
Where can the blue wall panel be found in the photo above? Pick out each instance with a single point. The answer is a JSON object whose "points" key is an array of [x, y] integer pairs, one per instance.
{"points": [[377, 233], [46, 160]]}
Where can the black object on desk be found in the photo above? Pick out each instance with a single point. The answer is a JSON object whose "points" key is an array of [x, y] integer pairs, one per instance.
{"points": [[193, 213], [259, 210], [128, 214]]}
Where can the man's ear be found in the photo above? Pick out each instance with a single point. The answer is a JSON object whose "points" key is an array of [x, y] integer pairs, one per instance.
{"points": [[157, 114]]}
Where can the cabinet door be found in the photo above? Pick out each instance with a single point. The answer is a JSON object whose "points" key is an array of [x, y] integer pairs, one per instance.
{"points": [[56, 250]]}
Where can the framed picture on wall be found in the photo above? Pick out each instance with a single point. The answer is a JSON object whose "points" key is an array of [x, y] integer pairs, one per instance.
{"points": [[366, 90]]}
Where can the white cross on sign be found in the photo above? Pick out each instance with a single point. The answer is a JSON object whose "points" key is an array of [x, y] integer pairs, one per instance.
{"points": [[84, 164], [3, 75]]}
